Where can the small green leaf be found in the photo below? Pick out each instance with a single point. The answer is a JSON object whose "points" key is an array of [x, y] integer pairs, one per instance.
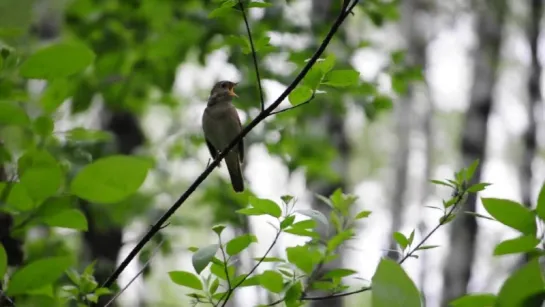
{"points": [[286, 198], [470, 171], [203, 256], [300, 95], [214, 286], [86, 135], [287, 222], [342, 78], [511, 214], [250, 211], [186, 279], [523, 283], [218, 229], [479, 215], [411, 237], [305, 224], [269, 259], [382, 103], [478, 187], [266, 206], [423, 247], [57, 61], [327, 64], [37, 274], [363, 214], [56, 92], [293, 295], [43, 125], [398, 56], [71, 218], [302, 257], [42, 182], [111, 179], [474, 300], [302, 232], [12, 113], [401, 239], [540, 209], [239, 244], [315, 215], [518, 245], [258, 4], [220, 11], [271, 281], [439, 182], [392, 287], [339, 273], [3, 261]]}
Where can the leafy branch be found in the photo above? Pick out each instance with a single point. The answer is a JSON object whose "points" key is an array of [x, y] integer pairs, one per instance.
{"points": [[259, 118]]}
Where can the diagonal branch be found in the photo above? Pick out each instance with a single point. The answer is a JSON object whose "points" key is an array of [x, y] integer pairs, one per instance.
{"points": [[259, 118], [254, 54]]}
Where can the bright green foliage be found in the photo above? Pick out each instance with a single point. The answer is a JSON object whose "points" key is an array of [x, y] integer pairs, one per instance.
{"points": [[84, 286], [512, 214], [393, 287], [238, 244], [474, 300], [522, 285], [110, 179], [38, 274], [57, 61], [272, 281], [3, 261], [187, 279], [518, 245]]}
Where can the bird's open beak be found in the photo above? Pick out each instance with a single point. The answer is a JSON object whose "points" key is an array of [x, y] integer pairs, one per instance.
{"points": [[232, 90]]}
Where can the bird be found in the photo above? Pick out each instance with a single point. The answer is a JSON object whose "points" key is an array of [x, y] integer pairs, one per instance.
{"points": [[221, 124]]}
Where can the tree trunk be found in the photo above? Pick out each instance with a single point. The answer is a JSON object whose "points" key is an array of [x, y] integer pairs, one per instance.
{"points": [[463, 231], [105, 243]]}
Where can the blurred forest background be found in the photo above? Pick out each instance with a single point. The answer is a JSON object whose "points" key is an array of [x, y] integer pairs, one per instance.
{"points": [[479, 97]]}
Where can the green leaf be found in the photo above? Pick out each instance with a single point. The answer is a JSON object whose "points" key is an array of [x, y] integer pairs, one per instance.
{"points": [[220, 11], [71, 218], [439, 182], [327, 64], [474, 300], [305, 224], [339, 273], [3, 261], [392, 287], [86, 135], [401, 239], [287, 222], [271, 281], [18, 198], [398, 56], [363, 214], [302, 232], [342, 78], [478, 187], [110, 179], [13, 114], [56, 92], [315, 215], [381, 102], [423, 247], [518, 245], [300, 94], [523, 283], [302, 257], [540, 209], [250, 211], [42, 182], [37, 274], [512, 214], [203, 256], [57, 61], [294, 294], [266, 206], [218, 229], [219, 270], [239, 244], [214, 286], [185, 279], [258, 4], [470, 171], [269, 259], [43, 125]]}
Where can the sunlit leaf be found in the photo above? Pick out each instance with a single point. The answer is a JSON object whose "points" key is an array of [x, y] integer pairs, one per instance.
{"points": [[186, 279], [70, 218], [271, 281], [300, 94], [517, 245], [37, 274], [393, 287], [239, 244], [511, 214], [474, 300]]}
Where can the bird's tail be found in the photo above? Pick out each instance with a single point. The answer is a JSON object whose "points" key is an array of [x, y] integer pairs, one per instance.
{"points": [[235, 171]]}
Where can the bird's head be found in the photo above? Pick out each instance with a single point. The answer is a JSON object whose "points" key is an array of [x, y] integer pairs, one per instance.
{"points": [[223, 90]]}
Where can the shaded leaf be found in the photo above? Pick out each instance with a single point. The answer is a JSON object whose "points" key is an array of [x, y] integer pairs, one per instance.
{"points": [[38, 274], [3, 261], [57, 61], [12, 113], [342, 78], [271, 281], [203, 256], [70, 218]]}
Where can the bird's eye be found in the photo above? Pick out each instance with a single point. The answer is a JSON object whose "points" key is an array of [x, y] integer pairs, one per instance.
{"points": [[224, 84]]}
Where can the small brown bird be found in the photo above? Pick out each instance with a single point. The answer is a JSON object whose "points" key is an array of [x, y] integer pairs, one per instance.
{"points": [[221, 124]]}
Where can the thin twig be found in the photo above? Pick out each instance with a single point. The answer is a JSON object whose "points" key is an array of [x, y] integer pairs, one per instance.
{"points": [[157, 248], [295, 106], [225, 267], [260, 117], [228, 294], [254, 54]]}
